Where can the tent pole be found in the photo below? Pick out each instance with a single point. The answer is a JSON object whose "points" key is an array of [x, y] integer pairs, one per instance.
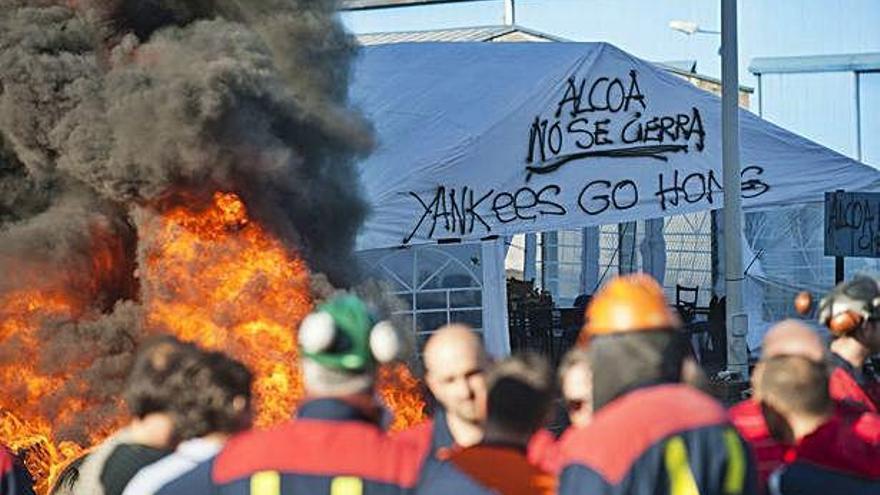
{"points": [[736, 318]]}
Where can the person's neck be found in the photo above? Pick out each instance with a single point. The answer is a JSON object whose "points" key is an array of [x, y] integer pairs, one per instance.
{"points": [[498, 436], [216, 438], [851, 350], [804, 426], [465, 433], [153, 430]]}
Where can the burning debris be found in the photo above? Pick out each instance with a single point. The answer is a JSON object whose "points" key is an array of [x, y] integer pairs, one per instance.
{"points": [[166, 165]]}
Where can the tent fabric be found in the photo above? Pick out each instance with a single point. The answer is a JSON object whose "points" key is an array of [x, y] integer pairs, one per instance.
{"points": [[456, 124]]}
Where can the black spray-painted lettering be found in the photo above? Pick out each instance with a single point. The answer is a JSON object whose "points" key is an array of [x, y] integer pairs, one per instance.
{"points": [[753, 186], [599, 195], [452, 213], [594, 118], [457, 216], [855, 219], [674, 188], [682, 127], [605, 94]]}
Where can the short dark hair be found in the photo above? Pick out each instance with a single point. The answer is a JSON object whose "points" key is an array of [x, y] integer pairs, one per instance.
{"points": [[69, 476], [207, 404], [796, 384], [633, 359], [149, 387], [520, 392]]}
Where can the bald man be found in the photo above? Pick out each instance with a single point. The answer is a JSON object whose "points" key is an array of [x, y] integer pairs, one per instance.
{"points": [[455, 364], [828, 455], [789, 338]]}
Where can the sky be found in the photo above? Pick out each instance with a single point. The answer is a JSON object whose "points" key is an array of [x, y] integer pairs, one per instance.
{"points": [[641, 27]]}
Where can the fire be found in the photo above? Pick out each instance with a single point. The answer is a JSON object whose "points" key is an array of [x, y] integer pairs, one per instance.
{"points": [[26, 430], [214, 277], [217, 278], [403, 394], [206, 274], [31, 412]]}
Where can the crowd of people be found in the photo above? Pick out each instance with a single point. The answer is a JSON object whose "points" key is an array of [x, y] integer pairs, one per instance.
{"points": [[638, 420]]}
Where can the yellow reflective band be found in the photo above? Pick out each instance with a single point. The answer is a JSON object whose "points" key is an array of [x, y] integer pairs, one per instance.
{"points": [[735, 478], [681, 479], [266, 483], [347, 485]]}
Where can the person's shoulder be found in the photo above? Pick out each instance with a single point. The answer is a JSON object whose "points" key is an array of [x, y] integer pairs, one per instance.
{"points": [[318, 447], [807, 478], [653, 413], [441, 477], [154, 476], [197, 481], [415, 433], [147, 480], [544, 450], [6, 461], [867, 426], [844, 388], [627, 428], [748, 408], [838, 445], [749, 420], [502, 469]]}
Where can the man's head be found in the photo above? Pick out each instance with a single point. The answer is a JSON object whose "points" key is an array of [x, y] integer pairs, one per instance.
{"points": [[794, 397], [149, 389], [576, 379], [632, 337], [341, 343], [153, 385], [455, 365], [789, 338], [793, 338], [218, 399], [520, 392], [852, 310]]}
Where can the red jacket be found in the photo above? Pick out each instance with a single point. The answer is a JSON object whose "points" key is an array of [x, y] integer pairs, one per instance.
{"points": [[837, 446], [332, 446], [485, 470], [13, 479], [433, 439], [643, 441], [833, 459], [848, 384], [769, 454]]}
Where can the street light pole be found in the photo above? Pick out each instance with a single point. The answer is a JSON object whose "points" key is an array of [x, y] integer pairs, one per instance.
{"points": [[736, 317]]}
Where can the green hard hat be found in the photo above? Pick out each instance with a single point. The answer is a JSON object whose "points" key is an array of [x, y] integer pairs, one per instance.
{"points": [[339, 334]]}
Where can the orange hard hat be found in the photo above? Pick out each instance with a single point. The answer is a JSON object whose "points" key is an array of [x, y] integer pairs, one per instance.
{"points": [[631, 303]]}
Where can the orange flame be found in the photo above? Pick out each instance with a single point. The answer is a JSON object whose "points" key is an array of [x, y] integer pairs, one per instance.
{"points": [[218, 279], [209, 275], [403, 394], [23, 384], [59, 294]]}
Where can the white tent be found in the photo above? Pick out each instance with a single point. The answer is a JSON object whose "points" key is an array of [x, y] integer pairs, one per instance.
{"points": [[477, 142]]}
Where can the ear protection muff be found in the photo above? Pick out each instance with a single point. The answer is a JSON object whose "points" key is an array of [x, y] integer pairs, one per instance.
{"points": [[844, 315], [803, 303], [846, 322], [318, 333], [384, 342]]}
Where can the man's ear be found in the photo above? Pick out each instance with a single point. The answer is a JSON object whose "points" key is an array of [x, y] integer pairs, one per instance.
{"points": [[755, 379], [693, 375], [777, 423]]}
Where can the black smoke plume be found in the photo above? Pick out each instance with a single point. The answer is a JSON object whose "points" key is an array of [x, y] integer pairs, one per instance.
{"points": [[111, 105]]}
